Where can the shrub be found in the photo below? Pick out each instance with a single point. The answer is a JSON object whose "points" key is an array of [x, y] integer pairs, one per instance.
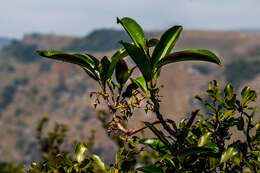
{"points": [[195, 145]]}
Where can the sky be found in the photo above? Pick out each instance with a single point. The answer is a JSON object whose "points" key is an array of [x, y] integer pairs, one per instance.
{"points": [[79, 17]]}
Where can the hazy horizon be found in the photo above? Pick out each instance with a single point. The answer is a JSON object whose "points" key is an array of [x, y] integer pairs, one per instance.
{"points": [[78, 18]]}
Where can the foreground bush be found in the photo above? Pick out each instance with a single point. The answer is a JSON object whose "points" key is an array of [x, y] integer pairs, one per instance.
{"points": [[202, 144]]}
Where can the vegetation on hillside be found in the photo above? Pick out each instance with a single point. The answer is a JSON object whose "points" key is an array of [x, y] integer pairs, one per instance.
{"points": [[201, 145]]}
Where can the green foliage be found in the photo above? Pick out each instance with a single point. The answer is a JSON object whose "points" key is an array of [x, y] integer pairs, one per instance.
{"points": [[11, 168], [195, 145]]}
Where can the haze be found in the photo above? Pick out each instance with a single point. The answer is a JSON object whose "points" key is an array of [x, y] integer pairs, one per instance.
{"points": [[79, 17]]}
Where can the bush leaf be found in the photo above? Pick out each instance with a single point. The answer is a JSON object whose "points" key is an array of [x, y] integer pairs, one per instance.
{"points": [[122, 72], [189, 55], [140, 82], [80, 151], [166, 43], [140, 58], [156, 144], [228, 154], [100, 164], [135, 31], [120, 54]]}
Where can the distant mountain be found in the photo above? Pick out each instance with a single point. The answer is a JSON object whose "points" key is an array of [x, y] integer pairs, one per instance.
{"points": [[4, 42], [99, 41], [250, 30], [30, 89]]}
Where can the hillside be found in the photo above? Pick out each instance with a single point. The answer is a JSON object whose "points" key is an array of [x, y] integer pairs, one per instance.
{"points": [[4, 42], [32, 87]]}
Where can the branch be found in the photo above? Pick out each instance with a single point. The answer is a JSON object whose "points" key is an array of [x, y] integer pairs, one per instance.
{"points": [[160, 117], [131, 132]]}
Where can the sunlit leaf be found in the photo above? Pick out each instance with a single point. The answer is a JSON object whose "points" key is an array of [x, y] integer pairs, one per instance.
{"points": [[228, 154], [99, 163], [140, 82], [80, 151], [166, 43], [189, 55], [134, 30], [156, 144], [204, 139]]}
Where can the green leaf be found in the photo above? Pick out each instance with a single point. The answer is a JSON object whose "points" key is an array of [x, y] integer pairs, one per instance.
{"points": [[248, 95], [189, 55], [135, 31], [152, 42], [156, 144], [204, 139], [105, 63], [158, 133], [80, 151], [114, 59], [229, 91], [122, 72], [140, 82], [212, 145], [166, 44], [228, 154], [91, 72], [150, 169], [71, 58], [140, 58], [193, 150], [85, 62], [99, 163]]}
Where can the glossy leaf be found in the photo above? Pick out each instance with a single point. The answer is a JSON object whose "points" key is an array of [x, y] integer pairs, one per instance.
{"points": [[150, 169], [140, 58], [212, 146], [91, 73], [99, 163], [105, 63], [66, 57], [228, 154], [80, 151], [120, 54], [189, 55], [140, 82], [204, 139], [156, 144], [166, 43], [158, 133], [229, 91], [135, 31], [122, 72]]}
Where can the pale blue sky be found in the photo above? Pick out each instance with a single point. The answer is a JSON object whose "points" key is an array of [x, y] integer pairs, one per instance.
{"points": [[79, 17]]}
